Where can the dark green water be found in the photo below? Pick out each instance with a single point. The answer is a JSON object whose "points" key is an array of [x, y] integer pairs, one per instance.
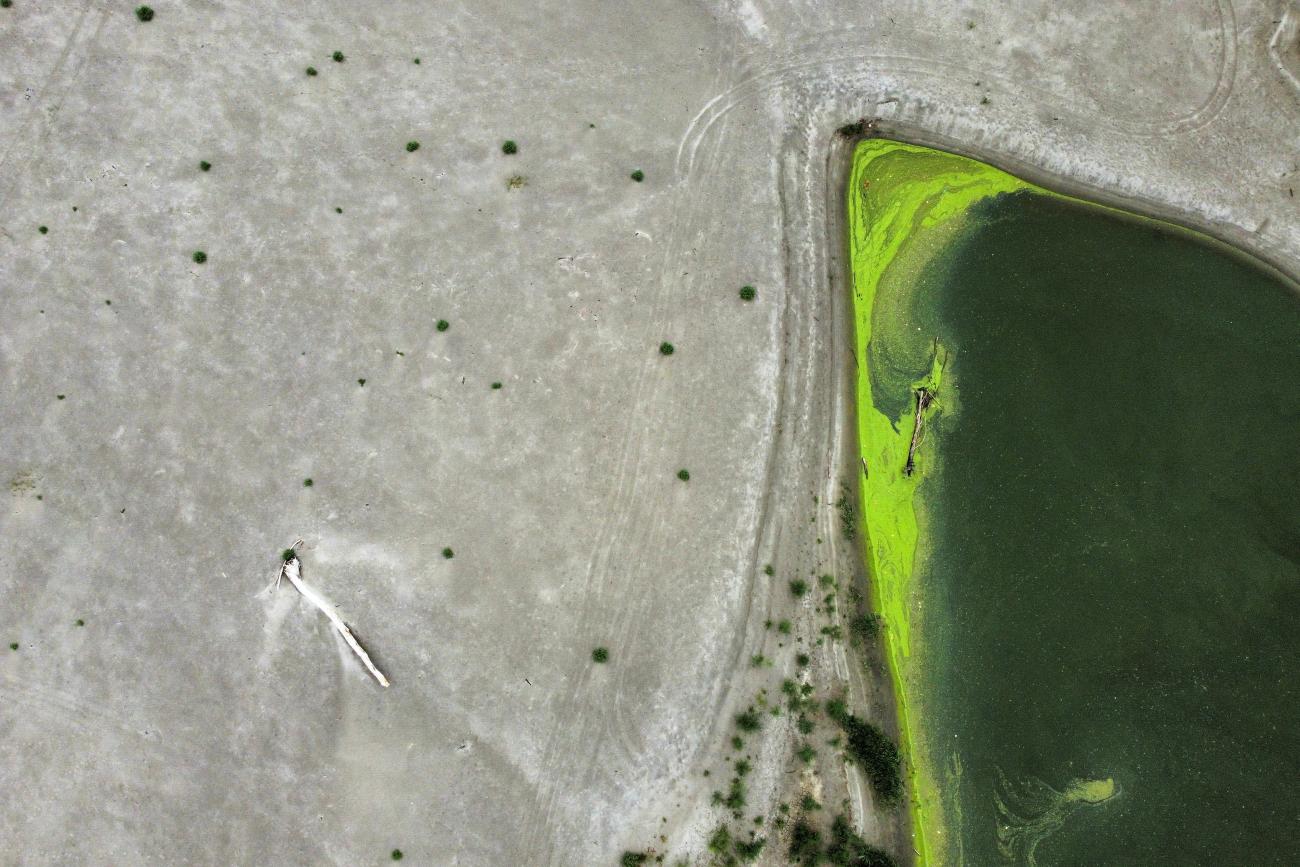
{"points": [[1114, 588]]}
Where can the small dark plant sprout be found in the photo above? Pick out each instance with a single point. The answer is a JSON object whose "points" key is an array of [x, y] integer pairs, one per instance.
{"points": [[748, 293], [804, 725], [802, 660], [204, 165], [416, 61], [600, 654], [80, 622], [638, 176], [806, 753], [799, 587], [307, 483], [5, 4], [200, 257], [443, 325], [397, 854], [311, 70], [338, 57], [720, 841], [13, 645], [758, 660], [496, 386], [447, 553], [509, 147], [412, 147], [684, 475], [632, 859], [361, 382], [288, 554], [737, 743], [784, 627], [809, 803], [338, 210], [768, 570], [851, 129], [666, 348], [144, 13]]}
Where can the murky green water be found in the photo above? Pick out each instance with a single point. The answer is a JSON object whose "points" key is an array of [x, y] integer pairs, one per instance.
{"points": [[1113, 589]]}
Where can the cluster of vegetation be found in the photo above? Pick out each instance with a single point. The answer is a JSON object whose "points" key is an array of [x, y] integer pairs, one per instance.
{"points": [[851, 129], [848, 517], [873, 751], [844, 847], [144, 13], [600, 654]]}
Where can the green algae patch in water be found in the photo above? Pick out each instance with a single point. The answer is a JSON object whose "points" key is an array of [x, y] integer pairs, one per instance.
{"points": [[1089, 583]]}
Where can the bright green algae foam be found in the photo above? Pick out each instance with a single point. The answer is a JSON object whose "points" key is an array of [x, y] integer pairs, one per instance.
{"points": [[1086, 581]]}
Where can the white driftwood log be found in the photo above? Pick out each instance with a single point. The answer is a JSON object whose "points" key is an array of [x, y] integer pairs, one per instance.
{"points": [[292, 569]]}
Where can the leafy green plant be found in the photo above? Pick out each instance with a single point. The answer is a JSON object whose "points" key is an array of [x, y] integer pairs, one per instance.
{"points": [[43, 229], [720, 840], [80, 622], [684, 475], [311, 70], [496, 386], [5, 4], [397, 854], [873, 751], [307, 483], [748, 293], [443, 325], [338, 57], [447, 553], [805, 843], [847, 849], [13, 645], [666, 348], [412, 146], [199, 257], [749, 720], [806, 753], [638, 176], [802, 660], [144, 13], [600, 654], [799, 588], [632, 859], [809, 804], [509, 147], [205, 166], [751, 849], [361, 382]]}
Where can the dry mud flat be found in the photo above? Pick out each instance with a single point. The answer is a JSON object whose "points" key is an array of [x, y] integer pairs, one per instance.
{"points": [[155, 448]]}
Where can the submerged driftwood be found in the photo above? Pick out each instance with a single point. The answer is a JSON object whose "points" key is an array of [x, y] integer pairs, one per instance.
{"points": [[924, 397]]}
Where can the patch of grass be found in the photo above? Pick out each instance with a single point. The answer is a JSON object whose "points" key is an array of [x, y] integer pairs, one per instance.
{"points": [[749, 851], [288, 554], [338, 57], [509, 147], [80, 622], [496, 386], [809, 804], [874, 752], [848, 517], [43, 229], [144, 13], [848, 849], [826, 580], [720, 840], [60, 396], [311, 70], [684, 475], [802, 660], [447, 553], [666, 348], [805, 843], [199, 257], [338, 210], [13, 645], [600, 654], [805, 725], [737, 743], [416, 61], [307, 483], [768, 570], [637, 176], [632, 859], [851, 129], [865, 627], [397, 854], [443, 325], [361, 382], [748, 293], [412, 147], [784, 627], [749, 720], [516, 182], [799, 588], [758, 660], [735, 800], [806, 753], [205, 166]]}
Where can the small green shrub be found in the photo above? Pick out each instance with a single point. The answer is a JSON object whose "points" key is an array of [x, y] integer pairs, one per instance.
{"points": [[412, 146], [632, 859], [5, 4], [288, 554], [447, 553], [13, 645], [809, 804], [338, 210], [875, 753], [802, 660], [338, 57], [805, 725], [768, 570], [784, 627], [443, 325], [666, 348], [743, 768], [416, 61], [307, 483], [805, 843], [509, 147], [748, 293], [749, 721], [397, 854], [361, 382], [43, 229], [600, 654], [496, 386], [80, 622], [749, 851], [849, 850], [200, 257], [720, 840], [144, 13], [737, 743], [851, 129], [799, 588], [865, 627], [205, 166], [638, 176], [684, 475], [311, 70], [806, 753]]}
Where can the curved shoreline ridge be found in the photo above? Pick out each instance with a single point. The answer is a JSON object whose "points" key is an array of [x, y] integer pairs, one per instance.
{"points": [[905, 203]]}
